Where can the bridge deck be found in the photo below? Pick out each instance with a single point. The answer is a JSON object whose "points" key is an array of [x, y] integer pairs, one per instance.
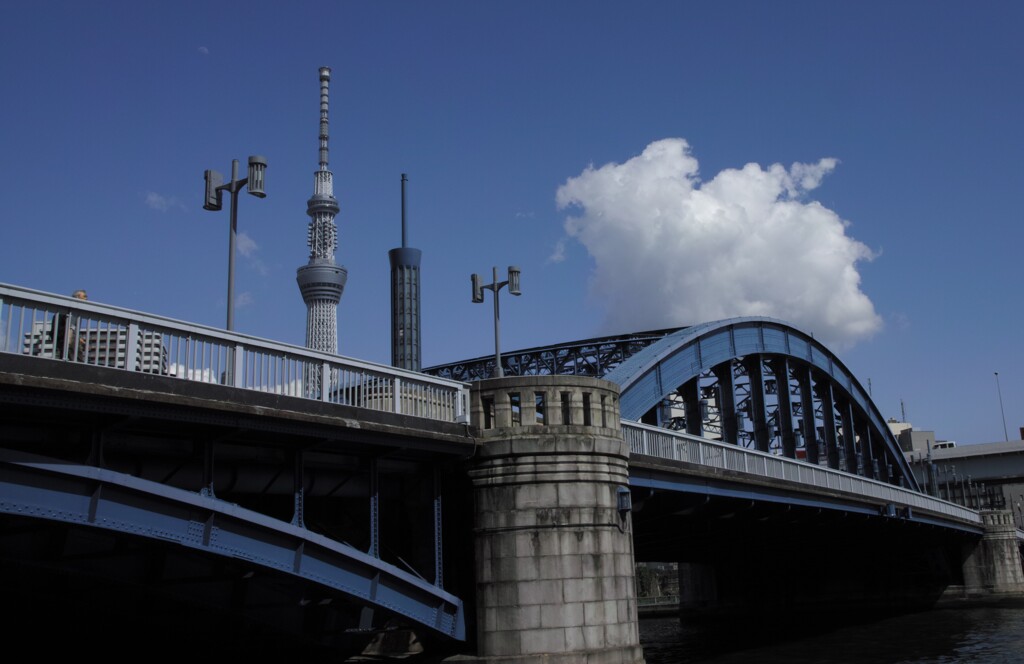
{"points": [[677, 461]]}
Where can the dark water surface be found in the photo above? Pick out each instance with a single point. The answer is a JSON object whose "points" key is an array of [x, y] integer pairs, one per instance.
{"points": [[992, 634]]}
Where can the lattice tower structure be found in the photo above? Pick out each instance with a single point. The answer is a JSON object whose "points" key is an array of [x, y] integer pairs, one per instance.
{"points": [[321, 281]]}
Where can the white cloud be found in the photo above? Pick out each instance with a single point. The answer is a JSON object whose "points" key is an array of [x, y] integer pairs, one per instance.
{"points": [[163, 203], [203, 50], [900, 319], [245, 244], [248, 248], [294, 387], [244, 299], [671, 250], [558, 254], [203, 375]]}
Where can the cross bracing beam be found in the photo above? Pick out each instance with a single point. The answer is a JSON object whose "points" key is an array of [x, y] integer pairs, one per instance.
{"points": [[833, 407], [39, 488], [589, 357]]}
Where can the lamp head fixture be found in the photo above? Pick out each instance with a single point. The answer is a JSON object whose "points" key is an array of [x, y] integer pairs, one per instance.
{"points": [[257, 173]]}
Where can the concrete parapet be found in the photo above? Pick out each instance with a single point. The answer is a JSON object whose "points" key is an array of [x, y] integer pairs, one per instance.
{"points": [[994, 567], [554, 549], [533, 401]]}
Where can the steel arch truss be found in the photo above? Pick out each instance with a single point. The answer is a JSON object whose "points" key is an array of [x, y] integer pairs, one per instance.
{"points": [[762, 384], [41, 488], [590, 357]]}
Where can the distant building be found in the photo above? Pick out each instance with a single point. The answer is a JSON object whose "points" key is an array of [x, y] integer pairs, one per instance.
{"points": [[913, 441], [895, 426], [104, 347], [997, 466]]}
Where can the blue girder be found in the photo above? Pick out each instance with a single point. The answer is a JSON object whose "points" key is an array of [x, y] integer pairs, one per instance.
{"points": [[724, 488], [43, 488], [659, 369]]}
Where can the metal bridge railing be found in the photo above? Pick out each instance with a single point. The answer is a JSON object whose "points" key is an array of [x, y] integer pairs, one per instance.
{"points": [[667, 444], [68, 330]]}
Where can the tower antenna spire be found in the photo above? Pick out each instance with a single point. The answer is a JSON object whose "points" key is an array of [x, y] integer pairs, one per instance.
{"points": [[321, 281], [325, 81]]}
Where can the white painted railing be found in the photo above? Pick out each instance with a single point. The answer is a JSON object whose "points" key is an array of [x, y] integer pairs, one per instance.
{"points": [[67, 330], [667, 444]]}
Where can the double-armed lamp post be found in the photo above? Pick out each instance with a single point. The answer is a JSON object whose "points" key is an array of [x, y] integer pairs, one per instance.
{"points": [[478, 297], [214, 186]]}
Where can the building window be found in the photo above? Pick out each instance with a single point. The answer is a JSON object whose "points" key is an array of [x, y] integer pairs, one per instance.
{"points": [[586, 409], [539, 405], [566, 412]]}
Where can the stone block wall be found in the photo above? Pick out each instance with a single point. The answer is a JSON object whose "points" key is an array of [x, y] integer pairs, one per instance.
{"points": [[554, 551], [994, 567]]}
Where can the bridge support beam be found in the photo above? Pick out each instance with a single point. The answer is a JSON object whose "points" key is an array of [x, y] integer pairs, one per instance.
{"points": [[849, 452], [554, 547], [726, 398], [755, 373], [784, 413], [690, 393], [828, 413], [868, 449], [993, 567], [808, 428]]}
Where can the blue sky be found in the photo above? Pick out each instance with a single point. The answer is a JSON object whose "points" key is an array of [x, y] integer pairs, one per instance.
{"points": [[904, 250]]}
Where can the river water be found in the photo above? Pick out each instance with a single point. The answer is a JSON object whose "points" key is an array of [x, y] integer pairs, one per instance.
{"points": [[992, 634]]}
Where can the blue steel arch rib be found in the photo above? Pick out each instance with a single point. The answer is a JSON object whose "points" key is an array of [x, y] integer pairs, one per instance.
{"points": [[48, 489], [654, 373]]}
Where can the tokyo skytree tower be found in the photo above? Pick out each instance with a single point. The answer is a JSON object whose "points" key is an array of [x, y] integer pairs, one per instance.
{"points": [[321, 281]]}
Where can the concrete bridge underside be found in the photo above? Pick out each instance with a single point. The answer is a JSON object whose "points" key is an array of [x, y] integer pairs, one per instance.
{"points": [[773, 553], [206, 505]]}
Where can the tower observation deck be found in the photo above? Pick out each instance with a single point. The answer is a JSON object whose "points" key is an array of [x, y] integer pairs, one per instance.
{"points": [[321, 281]]}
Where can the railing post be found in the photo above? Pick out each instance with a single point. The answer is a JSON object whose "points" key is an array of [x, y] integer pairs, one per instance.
{"points": [[5, 333], [325, 382], [131, 355], [238, 370], [396, 396]]}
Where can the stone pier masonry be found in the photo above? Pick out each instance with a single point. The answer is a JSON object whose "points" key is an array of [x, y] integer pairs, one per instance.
{"points": [[993, 568], [554, 550]]}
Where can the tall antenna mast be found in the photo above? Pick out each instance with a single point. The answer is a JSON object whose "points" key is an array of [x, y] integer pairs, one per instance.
{"points": [[321, 282], [405, 300], [404, 180]]}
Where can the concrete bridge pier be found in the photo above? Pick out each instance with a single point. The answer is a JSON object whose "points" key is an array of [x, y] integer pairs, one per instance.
{"points": [[993, 567], [554, 549]]}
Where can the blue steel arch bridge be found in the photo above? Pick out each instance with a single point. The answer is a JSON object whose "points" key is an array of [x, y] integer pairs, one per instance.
{"points": [[760, 464], [304, 490], [754, 382]]}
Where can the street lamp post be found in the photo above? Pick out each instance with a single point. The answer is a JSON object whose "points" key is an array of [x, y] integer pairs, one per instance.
{"points": [[496, 286], [214, 186]]}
